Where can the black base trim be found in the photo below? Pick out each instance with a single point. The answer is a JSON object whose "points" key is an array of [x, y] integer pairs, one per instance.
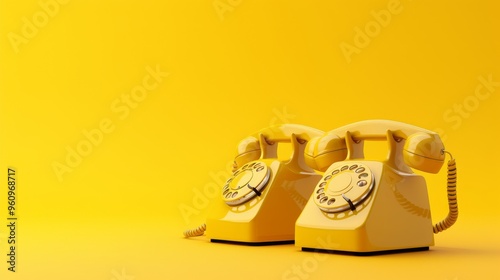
{"points": [[253, 243], [372, 253]]}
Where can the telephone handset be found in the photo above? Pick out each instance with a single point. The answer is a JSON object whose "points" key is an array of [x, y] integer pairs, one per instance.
{"points": [[365, 206], [261, 201]]}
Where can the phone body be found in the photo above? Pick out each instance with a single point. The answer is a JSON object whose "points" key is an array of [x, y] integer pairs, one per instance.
{"points": [[363, 206]]}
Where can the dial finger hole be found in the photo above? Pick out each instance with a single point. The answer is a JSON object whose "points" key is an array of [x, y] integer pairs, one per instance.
{"points": [[336, 171], [331, 201], [362, 183], [228, 195], [234, 194], [320, 191], [320, 196], [359, 170], [328, 177], [363, 175], [345, 167], [322, 185], [225, 191], [323, 199], [354, 166]]}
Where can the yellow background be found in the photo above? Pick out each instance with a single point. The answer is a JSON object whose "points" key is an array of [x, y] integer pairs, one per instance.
{"points": [[232, 71]]}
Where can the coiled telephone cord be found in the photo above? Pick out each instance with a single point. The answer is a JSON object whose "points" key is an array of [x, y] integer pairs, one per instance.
{"points": [[452, 198], [196, 232]]}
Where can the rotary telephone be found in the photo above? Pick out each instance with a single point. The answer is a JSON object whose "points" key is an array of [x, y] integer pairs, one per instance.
{"points": [[260, 202], [357, 205], [363, 206]]}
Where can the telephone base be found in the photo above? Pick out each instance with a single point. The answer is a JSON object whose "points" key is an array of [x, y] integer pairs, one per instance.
{"points": [[372, 253], [267, 243]]}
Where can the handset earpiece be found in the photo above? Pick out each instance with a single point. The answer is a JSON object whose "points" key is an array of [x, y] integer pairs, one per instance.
{"points": [[248, 150], [424, 151], [323, 151]]}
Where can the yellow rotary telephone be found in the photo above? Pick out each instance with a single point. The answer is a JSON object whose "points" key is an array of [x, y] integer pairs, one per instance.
{"points": [[363, 206], [261, 201]]}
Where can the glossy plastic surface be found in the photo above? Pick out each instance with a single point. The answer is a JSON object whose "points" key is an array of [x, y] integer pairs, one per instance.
{"points": [[322, 151], [424, 152]]}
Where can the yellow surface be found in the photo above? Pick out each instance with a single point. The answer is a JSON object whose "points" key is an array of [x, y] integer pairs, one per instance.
{"points": [[165, 90]]}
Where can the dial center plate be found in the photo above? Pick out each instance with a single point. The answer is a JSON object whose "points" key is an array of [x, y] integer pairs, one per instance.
{"points": [[339, 184], [241, 180]]}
